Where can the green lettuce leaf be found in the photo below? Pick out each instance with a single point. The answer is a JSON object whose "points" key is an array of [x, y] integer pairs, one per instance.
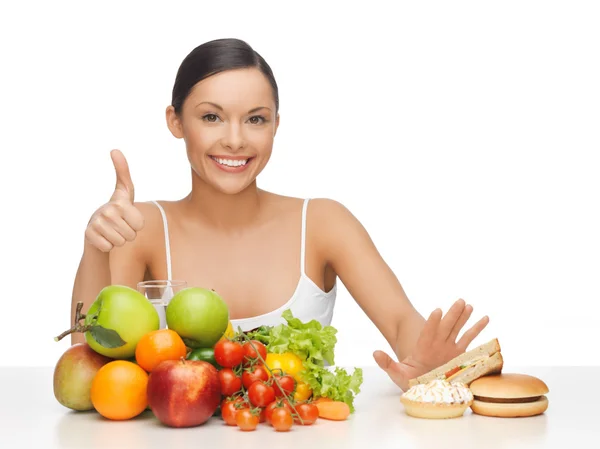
{"points": [[315, 345]]}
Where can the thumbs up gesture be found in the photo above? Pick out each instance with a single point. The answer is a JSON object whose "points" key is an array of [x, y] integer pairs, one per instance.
{"points": [[119, 220]]}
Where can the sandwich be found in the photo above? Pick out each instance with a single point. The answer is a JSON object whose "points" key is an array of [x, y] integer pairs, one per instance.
{"points": [[467, 367]]}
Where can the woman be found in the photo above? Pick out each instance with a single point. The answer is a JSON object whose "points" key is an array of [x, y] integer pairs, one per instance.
{"points": [[261, 251]]}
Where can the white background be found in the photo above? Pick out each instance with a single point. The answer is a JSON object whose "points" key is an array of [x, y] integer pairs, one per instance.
{"points": [[464, 135]]}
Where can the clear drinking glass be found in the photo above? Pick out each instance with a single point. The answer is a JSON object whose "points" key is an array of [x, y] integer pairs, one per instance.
{"points": [[159, 293]]}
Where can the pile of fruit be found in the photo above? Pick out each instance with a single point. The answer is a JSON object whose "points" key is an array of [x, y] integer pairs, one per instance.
{"points": [[200, 367]]}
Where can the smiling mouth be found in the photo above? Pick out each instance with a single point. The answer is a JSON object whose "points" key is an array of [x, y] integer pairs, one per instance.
{"points": [[230, 162]]}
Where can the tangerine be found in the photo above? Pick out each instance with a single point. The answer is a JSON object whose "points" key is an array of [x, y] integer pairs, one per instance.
{"points": [[118, 390], [158, 346]]}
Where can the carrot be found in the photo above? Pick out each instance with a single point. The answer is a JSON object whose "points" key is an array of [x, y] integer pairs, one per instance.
{"points": [[334, 410], [321, 399]]}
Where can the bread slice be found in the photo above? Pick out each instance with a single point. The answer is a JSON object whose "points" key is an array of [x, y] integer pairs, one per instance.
{"points": [[477, 362]]}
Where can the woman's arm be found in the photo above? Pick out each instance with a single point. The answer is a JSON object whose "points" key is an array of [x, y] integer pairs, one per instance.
{"points": [[123, 265], [113, 244], [357, 262], [421, 344]]}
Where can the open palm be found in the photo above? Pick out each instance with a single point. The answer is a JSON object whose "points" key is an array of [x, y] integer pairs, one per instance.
{"points": [[436, 344]]}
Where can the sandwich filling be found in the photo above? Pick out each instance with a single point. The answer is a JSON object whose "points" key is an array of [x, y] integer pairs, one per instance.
{"points": [[455, 372]]}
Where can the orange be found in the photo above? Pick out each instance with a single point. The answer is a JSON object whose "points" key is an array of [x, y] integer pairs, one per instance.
{"points": [[118, 390], [158, 346]]}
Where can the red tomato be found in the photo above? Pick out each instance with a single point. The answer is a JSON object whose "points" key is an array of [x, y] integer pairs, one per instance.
{"points": [[263, 415], [230, 383], [246, 420], [287, 383], [229, 410], [250, 351], [308, 412], [276, 404], [253, 374], [261, 394], [281, 419], [228, 354]]}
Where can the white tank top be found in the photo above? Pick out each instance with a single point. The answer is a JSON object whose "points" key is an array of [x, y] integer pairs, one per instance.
{"points": [[308, 301]]}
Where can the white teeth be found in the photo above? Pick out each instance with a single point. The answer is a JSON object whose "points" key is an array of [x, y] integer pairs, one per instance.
{"points": [[230, 162]]}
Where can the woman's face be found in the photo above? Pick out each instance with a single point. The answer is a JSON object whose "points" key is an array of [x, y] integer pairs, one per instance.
{"points": [[228, 122]]}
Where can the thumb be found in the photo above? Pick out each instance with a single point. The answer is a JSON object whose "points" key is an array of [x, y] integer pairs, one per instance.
{"points": [[396, 371], [124, 185], [384, 361]]}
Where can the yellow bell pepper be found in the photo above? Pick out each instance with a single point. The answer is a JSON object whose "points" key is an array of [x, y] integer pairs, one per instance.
{"points": [[229, 332], [290, 363], [303, 391]]}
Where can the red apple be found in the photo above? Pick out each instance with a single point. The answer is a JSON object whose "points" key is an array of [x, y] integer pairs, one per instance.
{"points": [[73, 375], [184, 393]]}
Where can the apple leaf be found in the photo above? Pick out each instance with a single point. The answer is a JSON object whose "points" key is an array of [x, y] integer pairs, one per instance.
{"points": [[108, 338]]}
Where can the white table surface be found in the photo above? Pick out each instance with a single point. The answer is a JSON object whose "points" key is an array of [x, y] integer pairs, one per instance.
{"points": [[30, 417]]}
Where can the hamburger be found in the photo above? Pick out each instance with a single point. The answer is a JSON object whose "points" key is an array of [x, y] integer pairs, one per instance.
{"points": [[484, 360], [509, 395]]}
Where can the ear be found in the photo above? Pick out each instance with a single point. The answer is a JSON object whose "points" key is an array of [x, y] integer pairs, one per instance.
{"points": [[174, 122], [276, 125]]}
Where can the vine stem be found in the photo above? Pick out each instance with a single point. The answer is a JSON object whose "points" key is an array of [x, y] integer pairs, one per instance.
{"points": [[77, 326], [289, 398]]}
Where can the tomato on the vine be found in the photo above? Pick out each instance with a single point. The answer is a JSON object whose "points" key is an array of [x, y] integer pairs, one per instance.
{"points": [[246, 419], [229, 409], [253, 374], [263, 415], [273, 405], [230, 383], [287, 383], [308, 412], [228, 354], [252, 350], [281, 419], [261, 394]]}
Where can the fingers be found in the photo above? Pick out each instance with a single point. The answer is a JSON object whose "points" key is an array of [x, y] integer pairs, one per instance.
{"points": [[97, 240], [124, 185], [462, 320], [108, 231], [472, 333], [451, 319], [429, 331], [133, 217]]}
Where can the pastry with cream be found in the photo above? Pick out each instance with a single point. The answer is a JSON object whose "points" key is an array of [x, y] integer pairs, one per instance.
{"points": [[438, 399]]}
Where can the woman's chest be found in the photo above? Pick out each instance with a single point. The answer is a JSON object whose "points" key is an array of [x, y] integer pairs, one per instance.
{"points": [[254, 273]]}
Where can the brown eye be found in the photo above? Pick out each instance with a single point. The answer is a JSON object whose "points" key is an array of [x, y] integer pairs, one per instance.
{"points": [[210, 117], [256, 120]]}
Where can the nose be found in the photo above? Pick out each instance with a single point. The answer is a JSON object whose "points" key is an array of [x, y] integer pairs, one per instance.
{"points": [[234, 138]]}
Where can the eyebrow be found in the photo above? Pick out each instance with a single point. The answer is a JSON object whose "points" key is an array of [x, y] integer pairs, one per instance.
{"points": [[220, 108]]}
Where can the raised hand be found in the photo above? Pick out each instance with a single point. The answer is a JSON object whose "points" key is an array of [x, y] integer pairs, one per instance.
{"points": [[119, 220], [436, 344]]}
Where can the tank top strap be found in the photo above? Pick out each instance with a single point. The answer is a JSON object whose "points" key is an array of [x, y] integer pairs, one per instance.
{"points": [[303, 240], [167, 243]]}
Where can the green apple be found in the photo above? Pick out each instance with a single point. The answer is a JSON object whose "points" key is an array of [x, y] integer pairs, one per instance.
{"points": [[117, 320], [198, 315]]}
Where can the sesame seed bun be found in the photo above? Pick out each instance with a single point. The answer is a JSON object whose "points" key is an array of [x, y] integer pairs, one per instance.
{"points": [[509, 395]]}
